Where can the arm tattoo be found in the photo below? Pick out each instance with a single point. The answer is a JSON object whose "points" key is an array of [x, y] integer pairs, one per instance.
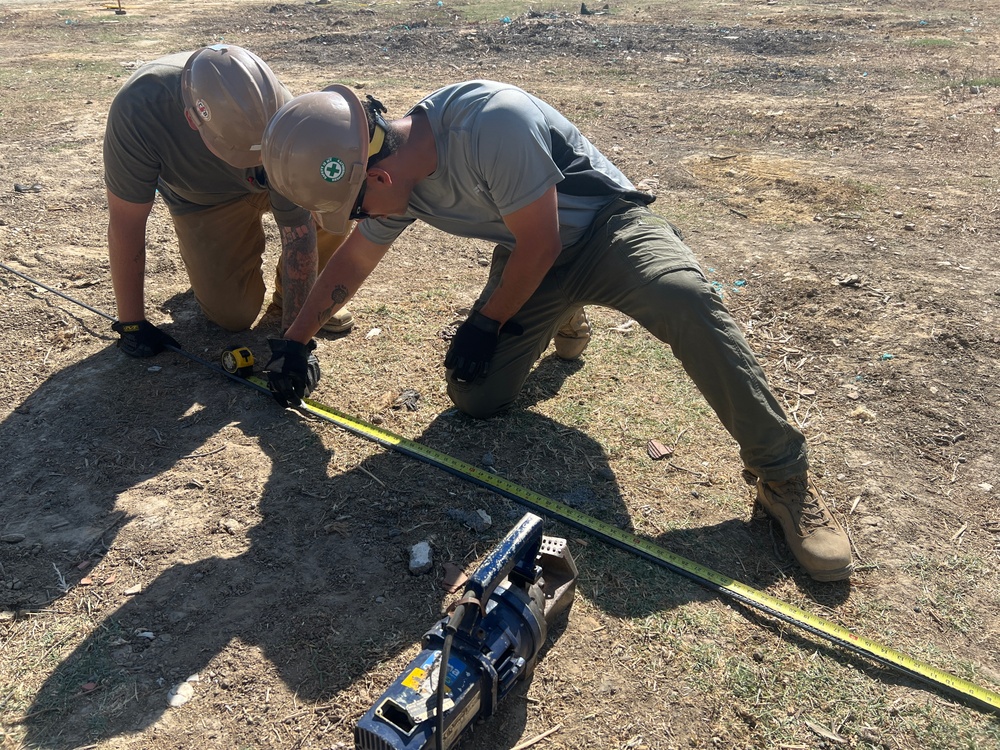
{"points": [[289, 234], [338, 297], [297, 268], [339, 294]]}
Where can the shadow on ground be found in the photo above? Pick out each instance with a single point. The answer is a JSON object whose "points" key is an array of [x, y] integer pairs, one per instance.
{"points": [[314, 577]]}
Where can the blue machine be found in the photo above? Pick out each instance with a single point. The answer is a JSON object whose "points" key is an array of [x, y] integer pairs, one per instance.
{"points": [[490, 641]]}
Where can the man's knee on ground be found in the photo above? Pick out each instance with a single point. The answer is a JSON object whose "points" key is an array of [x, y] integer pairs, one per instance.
{"points": [[234, 318], [475, 402]]}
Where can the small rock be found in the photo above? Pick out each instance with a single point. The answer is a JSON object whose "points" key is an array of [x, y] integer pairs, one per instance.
{"points": [[230, 525], [180, 694], [478, 520], [863, 415], [12, 538], [420, 558], [909, 226], [897, 214], [488, 461], [484, 520]]}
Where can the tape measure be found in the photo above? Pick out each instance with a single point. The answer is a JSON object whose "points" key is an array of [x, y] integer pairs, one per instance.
{"points": [[238, 361], [706, 577]]}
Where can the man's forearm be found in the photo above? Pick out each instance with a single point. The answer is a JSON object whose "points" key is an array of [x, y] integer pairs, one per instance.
{"points": [[298, 269], [521, 277], [127, 256], [343, 275], [537, 246]]}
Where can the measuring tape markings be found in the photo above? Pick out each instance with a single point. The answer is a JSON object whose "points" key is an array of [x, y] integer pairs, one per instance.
{"points": [[649, 550]]}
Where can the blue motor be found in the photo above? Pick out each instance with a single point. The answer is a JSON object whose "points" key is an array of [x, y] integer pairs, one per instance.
{"points": [[490, 640]]}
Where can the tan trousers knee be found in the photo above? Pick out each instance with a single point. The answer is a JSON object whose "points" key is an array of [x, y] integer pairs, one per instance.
{"points": [[223, 250]]}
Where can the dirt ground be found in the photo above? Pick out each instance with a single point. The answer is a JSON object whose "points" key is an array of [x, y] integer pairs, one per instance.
{"points": [[835, 168]]}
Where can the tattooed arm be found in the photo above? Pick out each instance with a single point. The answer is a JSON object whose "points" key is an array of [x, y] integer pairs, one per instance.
{"points": [[350, 265], [298, 268]]}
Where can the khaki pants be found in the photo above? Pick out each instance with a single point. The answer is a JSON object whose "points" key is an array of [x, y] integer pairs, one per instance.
{"points": [[633, 261], [223, 251]]}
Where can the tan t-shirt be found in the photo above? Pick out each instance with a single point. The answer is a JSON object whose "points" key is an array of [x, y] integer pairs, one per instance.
{"points": [[149, 146]]}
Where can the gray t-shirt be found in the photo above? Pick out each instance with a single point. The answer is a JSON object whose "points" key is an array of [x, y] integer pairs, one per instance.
{"points": [[149, 146], [499, 149]]}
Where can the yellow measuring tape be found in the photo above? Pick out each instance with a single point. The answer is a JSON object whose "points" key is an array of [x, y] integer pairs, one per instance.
{"points": [[624, 540]]}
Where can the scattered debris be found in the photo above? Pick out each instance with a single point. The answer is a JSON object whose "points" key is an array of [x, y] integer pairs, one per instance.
{"points": [[625, 327], [421, 560], [863, 415], [406, 400], [180, 694], [852, 280], [825, 733], [477, 520], [658, 450]]}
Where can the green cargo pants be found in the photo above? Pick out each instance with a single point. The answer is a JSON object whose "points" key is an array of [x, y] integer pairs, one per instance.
{"points": [[634, 262]]}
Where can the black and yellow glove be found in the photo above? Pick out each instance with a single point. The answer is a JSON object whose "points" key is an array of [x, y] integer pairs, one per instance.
{"points": [[142, 339], [293, 370]]}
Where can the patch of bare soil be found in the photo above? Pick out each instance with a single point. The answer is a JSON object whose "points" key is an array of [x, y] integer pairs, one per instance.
{"points": [[836, 170]]}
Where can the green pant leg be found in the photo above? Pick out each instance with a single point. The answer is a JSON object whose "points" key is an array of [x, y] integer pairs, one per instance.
{"points": [[223, 249], [638, 265]]}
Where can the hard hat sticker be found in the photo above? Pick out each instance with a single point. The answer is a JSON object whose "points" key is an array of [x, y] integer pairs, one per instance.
{"points": [[333, 169], [203, 110]]}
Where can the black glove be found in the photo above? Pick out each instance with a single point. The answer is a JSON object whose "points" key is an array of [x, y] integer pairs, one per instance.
{"points": [[293, 370], [142, 339], [472, 347]]}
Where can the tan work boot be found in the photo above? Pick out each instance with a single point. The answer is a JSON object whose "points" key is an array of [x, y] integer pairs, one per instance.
{"points": [[573, 335], [817, 540], [341, 322]]}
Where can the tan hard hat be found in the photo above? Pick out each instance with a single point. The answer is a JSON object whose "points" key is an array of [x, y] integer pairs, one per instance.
{"points": [[315, 152], [230, 94]]}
